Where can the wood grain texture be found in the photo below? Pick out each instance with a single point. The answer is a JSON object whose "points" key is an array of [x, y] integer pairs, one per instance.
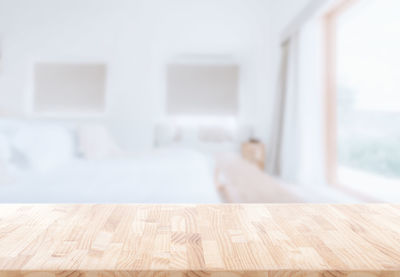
{"points": [[239, 181], [200, 240]]}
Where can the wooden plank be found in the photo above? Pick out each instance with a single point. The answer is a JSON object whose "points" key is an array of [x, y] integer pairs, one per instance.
{"points": [[200, 240]]}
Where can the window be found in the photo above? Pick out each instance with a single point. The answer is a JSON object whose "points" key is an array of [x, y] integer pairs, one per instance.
{"points": [[202, 89], [364, 94], [69, 88]]}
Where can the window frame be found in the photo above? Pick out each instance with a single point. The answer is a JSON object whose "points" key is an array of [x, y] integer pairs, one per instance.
{"points": [[331, 159]]}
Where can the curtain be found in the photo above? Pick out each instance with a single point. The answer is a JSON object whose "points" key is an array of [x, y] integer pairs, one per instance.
{"points": [[283, 156], [274, 154], [297, 141], [311, 104]]}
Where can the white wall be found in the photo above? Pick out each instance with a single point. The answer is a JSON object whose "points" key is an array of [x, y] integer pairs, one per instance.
{"points": [[284, 11], [136, 38]]}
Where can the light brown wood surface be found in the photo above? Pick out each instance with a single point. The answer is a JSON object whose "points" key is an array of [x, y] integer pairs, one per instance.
{"points": [[240, 181], [200, 240]]}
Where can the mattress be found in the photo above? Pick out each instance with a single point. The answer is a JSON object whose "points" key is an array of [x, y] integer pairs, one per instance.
{"points": [[163, 176]]}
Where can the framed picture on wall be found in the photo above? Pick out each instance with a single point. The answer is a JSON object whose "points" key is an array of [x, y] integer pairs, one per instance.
{"points": [[69, 88]]}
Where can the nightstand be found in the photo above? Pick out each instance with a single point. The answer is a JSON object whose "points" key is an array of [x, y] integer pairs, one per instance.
{"points": [[254, 152]]}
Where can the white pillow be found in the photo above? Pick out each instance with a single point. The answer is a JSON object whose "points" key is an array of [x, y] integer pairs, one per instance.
{"points": [[5, 156], [188, 135], [216, 134], [165, 134], [95, 142], [5, 149], [45, 146]]}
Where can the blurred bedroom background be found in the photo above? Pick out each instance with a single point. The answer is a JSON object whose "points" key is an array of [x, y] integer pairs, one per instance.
{"points": [[199, 101]]}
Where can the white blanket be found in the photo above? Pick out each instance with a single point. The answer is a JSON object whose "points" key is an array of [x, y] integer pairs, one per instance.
{"points": [[163, 176]]}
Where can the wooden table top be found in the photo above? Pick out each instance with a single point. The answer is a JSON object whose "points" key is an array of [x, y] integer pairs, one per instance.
{"points": [[200, 240]]}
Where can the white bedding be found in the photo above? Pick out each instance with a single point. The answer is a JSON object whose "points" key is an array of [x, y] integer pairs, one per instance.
{"points": [[162, 176]]}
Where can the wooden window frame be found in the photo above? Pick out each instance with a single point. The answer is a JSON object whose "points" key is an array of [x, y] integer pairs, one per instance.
{"points": [[330, 98]]}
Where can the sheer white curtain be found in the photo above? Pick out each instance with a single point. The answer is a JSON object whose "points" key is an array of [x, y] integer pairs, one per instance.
{"points": [[311, 104], [275, 144], [283, 156], [297, 139]]}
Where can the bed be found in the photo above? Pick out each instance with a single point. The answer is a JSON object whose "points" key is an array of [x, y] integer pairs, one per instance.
{"points": [[164, 175]]}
